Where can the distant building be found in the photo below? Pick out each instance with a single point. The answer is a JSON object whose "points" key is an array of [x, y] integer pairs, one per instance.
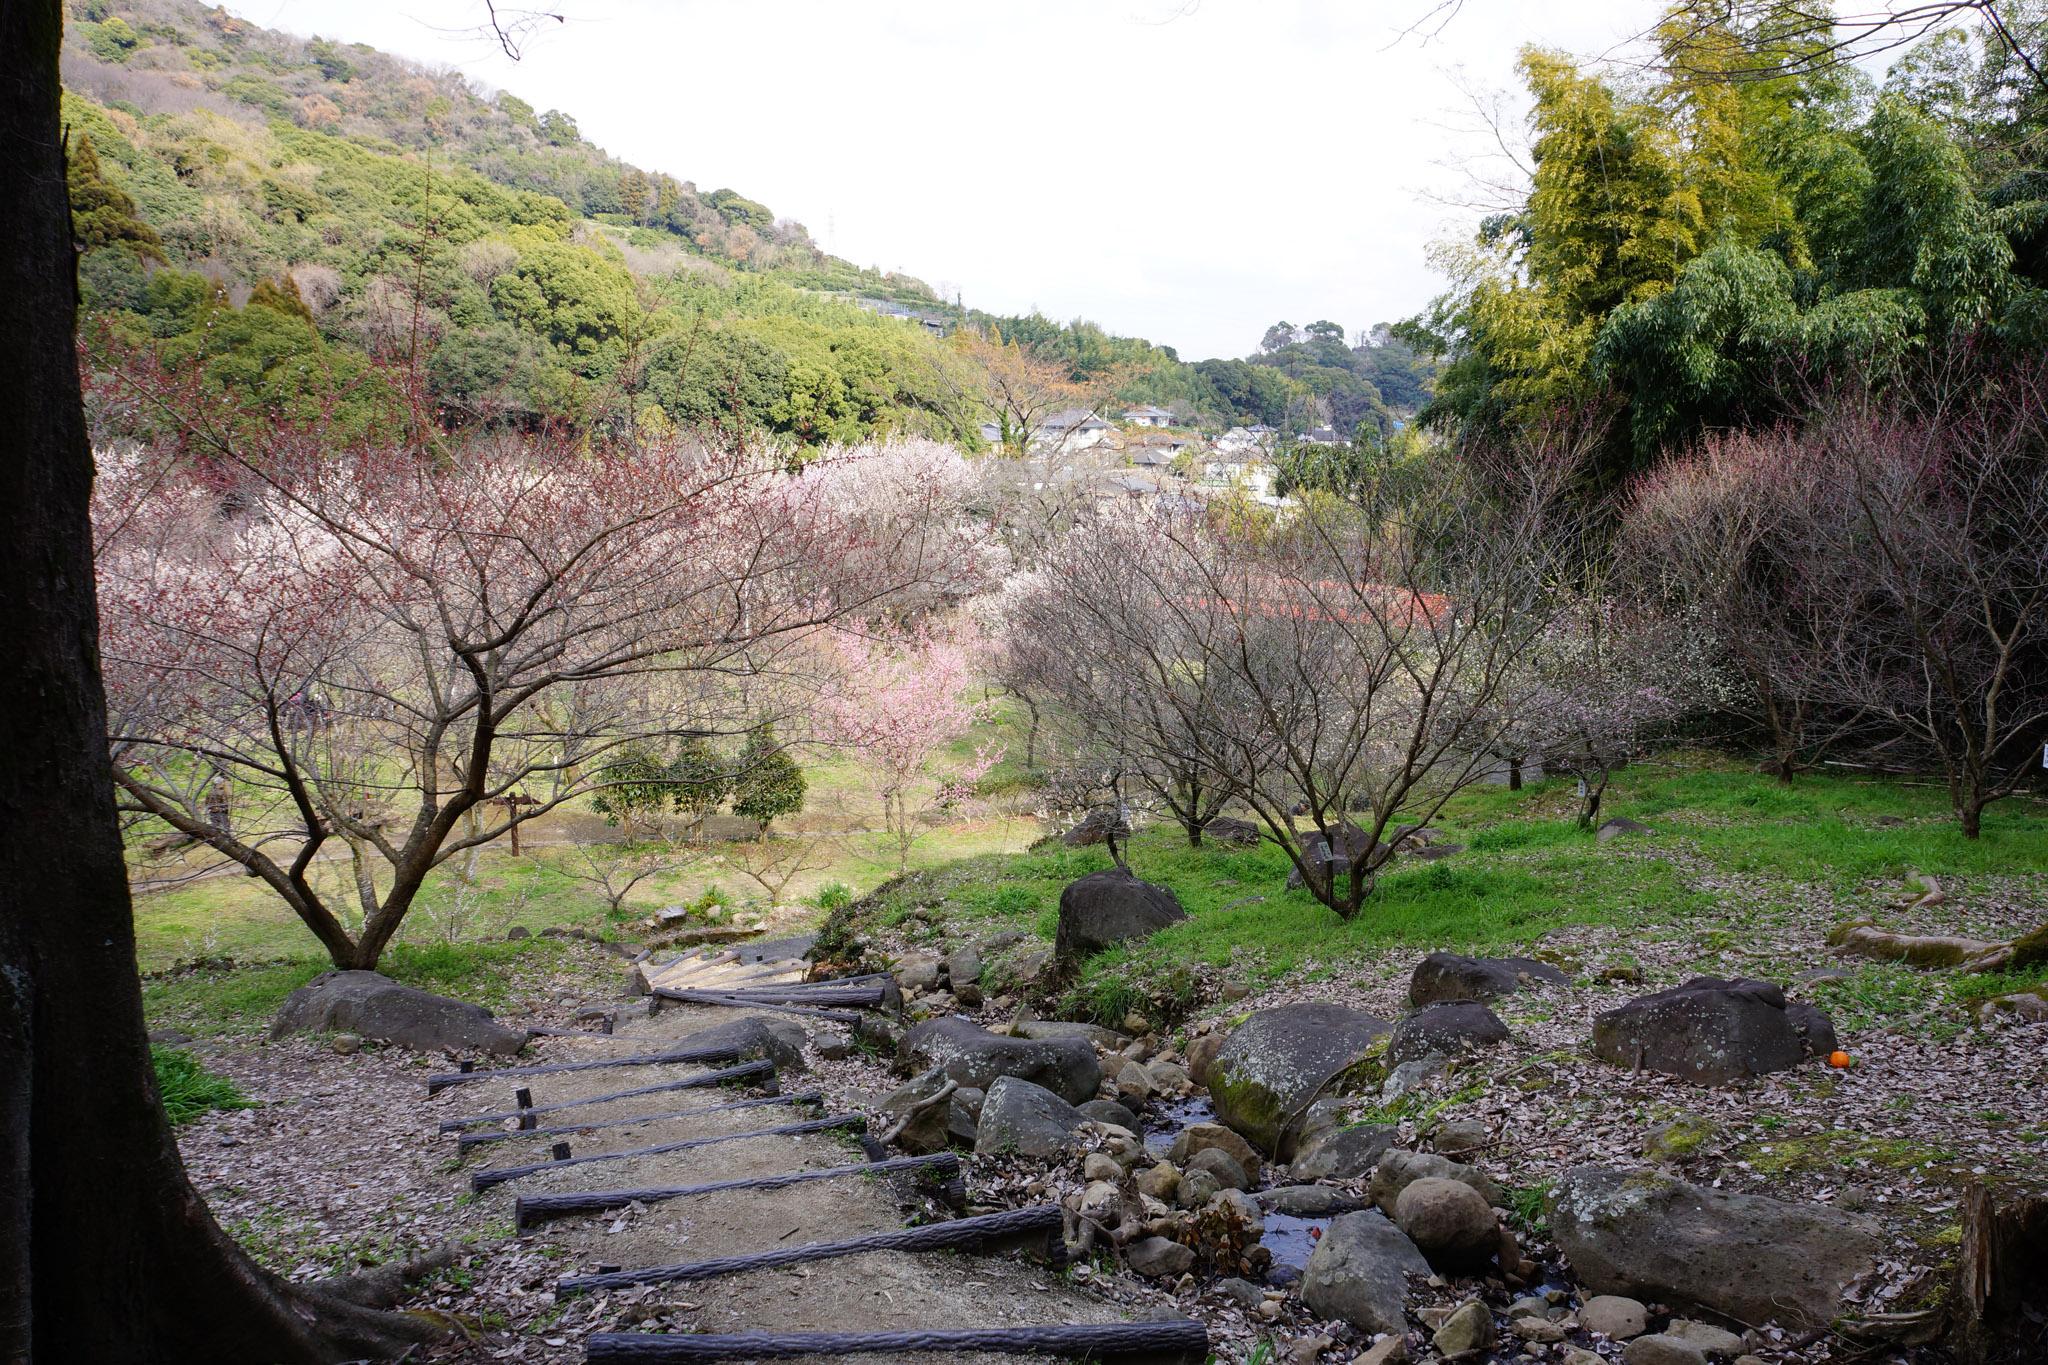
{"points": [[1240, 441], [1073, 429], [1322, 436], [938, 324], [1147, 417]]}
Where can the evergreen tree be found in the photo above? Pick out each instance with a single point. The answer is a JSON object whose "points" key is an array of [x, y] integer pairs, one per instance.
{"points": [[768, 783], [102, 213]]}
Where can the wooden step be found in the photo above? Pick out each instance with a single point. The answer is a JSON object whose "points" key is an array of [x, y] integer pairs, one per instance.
{"points": [[1176, 1341], [1037, 1225], [757, 1073], [468, 1140], [534, 1209], [498, 1175], [717, 1052]]}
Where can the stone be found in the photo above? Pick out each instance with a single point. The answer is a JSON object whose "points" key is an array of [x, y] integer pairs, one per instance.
{"points": [[882, 1034], [1279, 1061], [1232, 832], [1579, 1355], [929, 1129], [1449, 976], [1399, 1169], [1157, 1258], [1102, 1202], [918, 971], [1134, 1083], [1170, 1078], [1714, 1341], [345, 1044], [1679, 1139], [974, 1056], [832, 1045], [1329, 859], [376, 1007], [1159, 1181], [1461, 1137], [1663, 1350], [963, 968], [1539, 1330], [1113, 1114], [1410, 1076], [1096, 827], [1022, 969], [1238, 1210], [1620, 827], [1109, 907], [1243, 1293], [1445, 1029], [1614, 1315], [517, 932], [1449, 1222], [1307, 1201], [1100, 1166], [1095, 1035], [1027, 1119], [1391, 1351], [1199, 1137], [1201, 1053], [1468, 1328], [1745, 1256], [1196, 1189], [1359, 1271], [1308, 1350], [1220, 1164], [1529, 1306], [1711, 1031]]}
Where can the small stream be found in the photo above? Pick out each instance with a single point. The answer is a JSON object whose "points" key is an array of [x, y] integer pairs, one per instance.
{"points": [[1171, 1118]]}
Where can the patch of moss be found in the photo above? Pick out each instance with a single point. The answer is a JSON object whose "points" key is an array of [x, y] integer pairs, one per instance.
{"points": [[1837, 1148], [1679, 1139]]}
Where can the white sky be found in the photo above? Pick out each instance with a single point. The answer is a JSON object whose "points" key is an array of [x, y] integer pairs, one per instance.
{"points": [[1188, 171]]}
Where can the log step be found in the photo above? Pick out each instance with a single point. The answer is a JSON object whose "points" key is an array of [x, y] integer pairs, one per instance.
{"points": [[756, 1072], [534, 1209], [468, 1140], [741, 1002], [721, 1052], [498, 1175], [1178, 1341], [1039, 1223]]}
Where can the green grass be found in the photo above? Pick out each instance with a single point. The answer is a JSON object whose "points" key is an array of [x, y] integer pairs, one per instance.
{"points": [[243, 998], [1527, 869], [189, 1089]]}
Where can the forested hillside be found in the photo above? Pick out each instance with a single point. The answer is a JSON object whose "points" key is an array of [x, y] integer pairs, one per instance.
{"points": [[1705, 245], [282, 213]]}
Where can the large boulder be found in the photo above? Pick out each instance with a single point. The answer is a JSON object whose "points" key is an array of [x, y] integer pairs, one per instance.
{"points": [[1107, 907], [1358, 1273], [1449, 1221], [372, 1005], [1399, 1169], [1097, 827], [1197, 1138], [975, 1057], [1449, 976], [780, 1041], [1657, 1239], [1445, 1029], [1278, 1061], [1343, 1153], [1231, 831], [1327, 858], [1710, 1031], [1027, 1120]]}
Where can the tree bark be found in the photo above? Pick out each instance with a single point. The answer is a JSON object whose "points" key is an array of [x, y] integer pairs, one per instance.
{"points": [[1999, 1311], [107, 1253]]}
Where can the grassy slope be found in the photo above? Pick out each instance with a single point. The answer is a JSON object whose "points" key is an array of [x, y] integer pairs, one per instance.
{"points": [[1528, 869]]}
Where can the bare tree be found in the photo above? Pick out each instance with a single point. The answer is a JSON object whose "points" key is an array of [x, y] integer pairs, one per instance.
{"points": [[411, 658], [615, 869], [1361, 659], [1091, 637], [772, 862], [1925, 531]]}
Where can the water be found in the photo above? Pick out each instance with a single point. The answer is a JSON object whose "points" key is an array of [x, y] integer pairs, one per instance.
{"points": [[1291, 1239], [1169, 1119]]}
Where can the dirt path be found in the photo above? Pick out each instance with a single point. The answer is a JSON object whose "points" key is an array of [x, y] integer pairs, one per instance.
{"points": [[875, 1291]]}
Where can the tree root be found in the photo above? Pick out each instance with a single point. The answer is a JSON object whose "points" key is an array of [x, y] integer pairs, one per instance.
{"points": [[1861, 938]]}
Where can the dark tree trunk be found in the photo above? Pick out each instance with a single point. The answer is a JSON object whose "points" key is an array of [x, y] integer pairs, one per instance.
{"points": [[1514, 774], [107, 1253], [1999, 1310]]}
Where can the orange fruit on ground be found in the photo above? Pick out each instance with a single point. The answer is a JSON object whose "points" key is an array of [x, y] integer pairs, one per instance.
{"points": [[1838, 1059]]}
